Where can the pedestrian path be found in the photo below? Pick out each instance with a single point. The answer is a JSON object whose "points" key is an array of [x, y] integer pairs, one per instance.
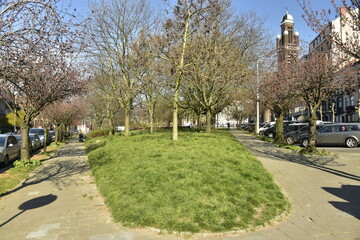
{"points": [[324, 193], [60, 201]]}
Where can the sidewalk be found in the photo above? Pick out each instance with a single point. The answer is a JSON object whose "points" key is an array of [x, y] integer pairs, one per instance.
{"points": [[60, 200], [323, 191]]}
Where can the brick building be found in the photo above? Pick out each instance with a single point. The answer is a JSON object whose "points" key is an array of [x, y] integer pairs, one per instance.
{"points": [[287, 43]]}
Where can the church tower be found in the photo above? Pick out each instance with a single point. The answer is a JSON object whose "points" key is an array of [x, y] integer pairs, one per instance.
{"points": [[288, 42]]}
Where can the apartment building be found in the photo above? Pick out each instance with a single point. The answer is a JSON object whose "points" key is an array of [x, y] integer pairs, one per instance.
{"points": [[342, 107]]}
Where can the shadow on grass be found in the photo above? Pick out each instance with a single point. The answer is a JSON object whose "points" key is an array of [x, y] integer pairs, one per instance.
{"points": [[268, 150], [351, 194], [67, 163]]}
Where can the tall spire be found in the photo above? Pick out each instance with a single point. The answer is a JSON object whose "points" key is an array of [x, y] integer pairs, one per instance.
{"points": [[288, 41]]}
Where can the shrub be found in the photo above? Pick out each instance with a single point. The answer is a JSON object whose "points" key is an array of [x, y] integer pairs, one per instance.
{"points": [[22, 163], [97, 133]]}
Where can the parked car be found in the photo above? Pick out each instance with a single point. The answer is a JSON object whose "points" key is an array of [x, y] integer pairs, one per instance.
{"points": [[41, 133], [35, 142], [338, 134], [251, 127], [52, 135], [263, 127], [271, 132], [9, 149], [292, 137]]}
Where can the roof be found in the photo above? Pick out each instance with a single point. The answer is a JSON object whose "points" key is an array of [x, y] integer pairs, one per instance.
{"points": [[287, 18]]}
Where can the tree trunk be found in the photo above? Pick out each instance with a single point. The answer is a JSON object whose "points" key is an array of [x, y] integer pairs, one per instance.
{"points": [[178, 79], [198, 125], [127, 122], [279, 138], [25, 154], [46, 136], [175, 110], [312, 131], [151, 107], [332, 112], [57, 133], [62, 132], [112, 127], [208, 121]]}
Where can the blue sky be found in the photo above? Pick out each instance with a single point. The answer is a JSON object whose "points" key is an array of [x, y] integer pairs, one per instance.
{"points": [[272, 10]]}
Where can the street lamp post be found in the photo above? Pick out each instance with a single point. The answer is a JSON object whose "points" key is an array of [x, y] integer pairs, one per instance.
{"points": [[257, 99]]}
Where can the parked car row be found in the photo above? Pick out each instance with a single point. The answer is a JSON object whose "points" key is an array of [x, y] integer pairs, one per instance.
{"points": [[327, 134], [10, 144]]}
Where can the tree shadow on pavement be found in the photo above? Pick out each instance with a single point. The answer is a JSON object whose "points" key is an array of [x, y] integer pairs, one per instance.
{"points": [[269, 150], [70, 161], [351, 194], [32, 204]]}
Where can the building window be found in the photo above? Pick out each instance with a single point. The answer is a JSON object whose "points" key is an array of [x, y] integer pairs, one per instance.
{"points": [[352, 101], [339, 102]]}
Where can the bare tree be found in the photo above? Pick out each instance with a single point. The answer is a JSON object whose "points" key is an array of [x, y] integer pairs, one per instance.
{"points": [[115, 28], [221, 54], [278, 92], [104, 106], [173, 44]]}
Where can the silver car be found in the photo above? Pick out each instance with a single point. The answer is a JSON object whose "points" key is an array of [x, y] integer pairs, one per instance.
{"points": [[9, 149], [337, 134], [293, 136], [35, 142]]}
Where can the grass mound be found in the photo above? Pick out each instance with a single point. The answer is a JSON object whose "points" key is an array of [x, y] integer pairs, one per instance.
{"points": [[200, 183]]}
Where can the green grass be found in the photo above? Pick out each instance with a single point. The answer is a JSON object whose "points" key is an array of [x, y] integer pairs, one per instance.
{"points": [[200, 183], [12, 177]]}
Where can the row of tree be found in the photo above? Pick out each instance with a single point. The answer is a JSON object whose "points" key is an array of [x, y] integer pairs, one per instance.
{"points": [[39, 41], [199, 57]]}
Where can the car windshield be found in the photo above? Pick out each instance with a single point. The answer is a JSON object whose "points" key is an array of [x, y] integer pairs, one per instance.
{"points": [[2, 141], [38, 131]]}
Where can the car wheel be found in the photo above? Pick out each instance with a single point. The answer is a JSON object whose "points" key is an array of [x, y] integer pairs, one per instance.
{"points": [[351, 142], [271, 135], [6, 160], [290, 140], [305, 142]]}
